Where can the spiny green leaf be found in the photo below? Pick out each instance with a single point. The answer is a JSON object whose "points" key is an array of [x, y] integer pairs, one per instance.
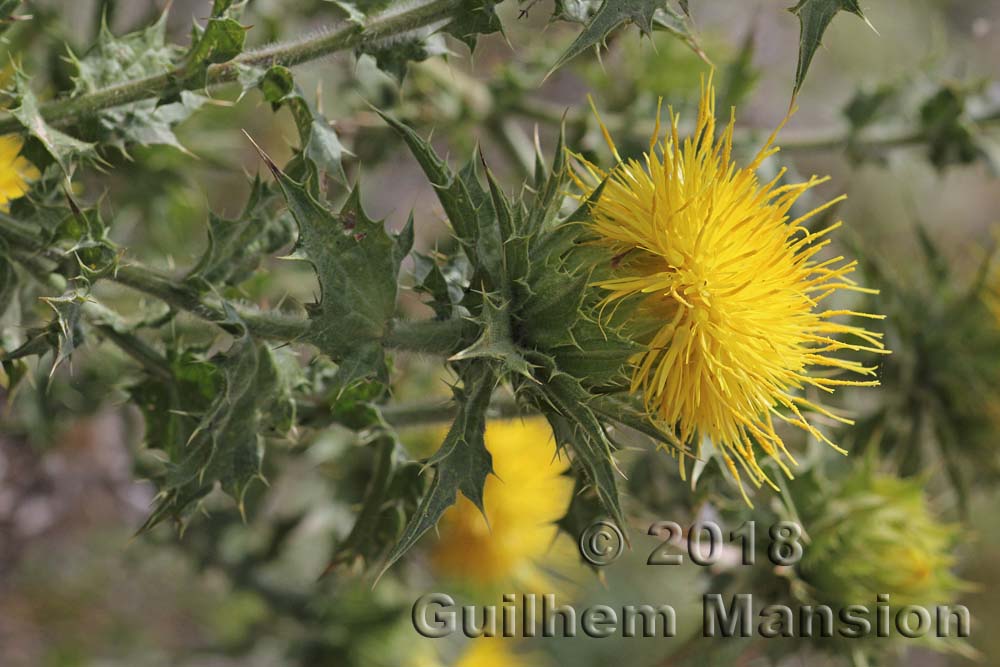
{"points": [[227, 445], [496, 341], [461, 464], [476, 17], [68, 323], [628, 412], [277, 84], [495, 229], [493, 214], [431, 280], [147, 124], [366, 539], [319, 142], [357, 406], [452, 192], [612, 14], [170, 406], [235, 247], [357, 264], [814, 17], [115, 60], [550, 312], [565, 404], [92, 245], [597, 355], [64, 149], [552, 191], [221, 40]]}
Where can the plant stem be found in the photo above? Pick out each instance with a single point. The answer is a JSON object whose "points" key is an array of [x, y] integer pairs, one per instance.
{"points": [[393, 21], [103, 318], [444, 337], [440, 337], [879, 138], [114, 329]]}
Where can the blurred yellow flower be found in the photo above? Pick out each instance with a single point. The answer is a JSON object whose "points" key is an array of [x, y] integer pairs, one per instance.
{"points": [[491, 652], [525, 498], [479, 652], [731, 287], [16, 172]]}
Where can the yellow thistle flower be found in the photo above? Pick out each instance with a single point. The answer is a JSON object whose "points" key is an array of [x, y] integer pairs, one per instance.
{"points": [[525, 498], [734, 289], [16, 172]]}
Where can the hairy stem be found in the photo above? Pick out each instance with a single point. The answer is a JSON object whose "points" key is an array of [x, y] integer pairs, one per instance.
{"points": [[393, 21], [426, 337], [440, 337]]}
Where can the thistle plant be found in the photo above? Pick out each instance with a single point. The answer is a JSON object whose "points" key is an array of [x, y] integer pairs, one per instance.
{"points": [[189, 246]]}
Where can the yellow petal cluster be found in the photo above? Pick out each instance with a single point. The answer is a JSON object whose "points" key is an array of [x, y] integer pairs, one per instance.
{"points": [[734, 288]]}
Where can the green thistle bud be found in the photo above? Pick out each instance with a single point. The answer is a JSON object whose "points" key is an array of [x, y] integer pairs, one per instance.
{"points": [[872, 541], [876, 535]]}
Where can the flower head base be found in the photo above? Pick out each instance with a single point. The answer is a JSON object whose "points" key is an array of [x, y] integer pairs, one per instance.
{"points": [[731, 288], [525, 498], [15, 171]]}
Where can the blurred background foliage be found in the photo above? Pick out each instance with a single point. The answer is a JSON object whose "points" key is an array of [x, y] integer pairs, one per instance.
{"points": [[904, 121]]}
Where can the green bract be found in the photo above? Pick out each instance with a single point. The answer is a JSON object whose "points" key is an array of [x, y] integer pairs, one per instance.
{"points": [[526, 292]]}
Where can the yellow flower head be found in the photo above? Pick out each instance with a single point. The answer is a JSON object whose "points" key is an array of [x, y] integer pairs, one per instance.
{"points": [[525, 498], [733, 286], [16, 172]]}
